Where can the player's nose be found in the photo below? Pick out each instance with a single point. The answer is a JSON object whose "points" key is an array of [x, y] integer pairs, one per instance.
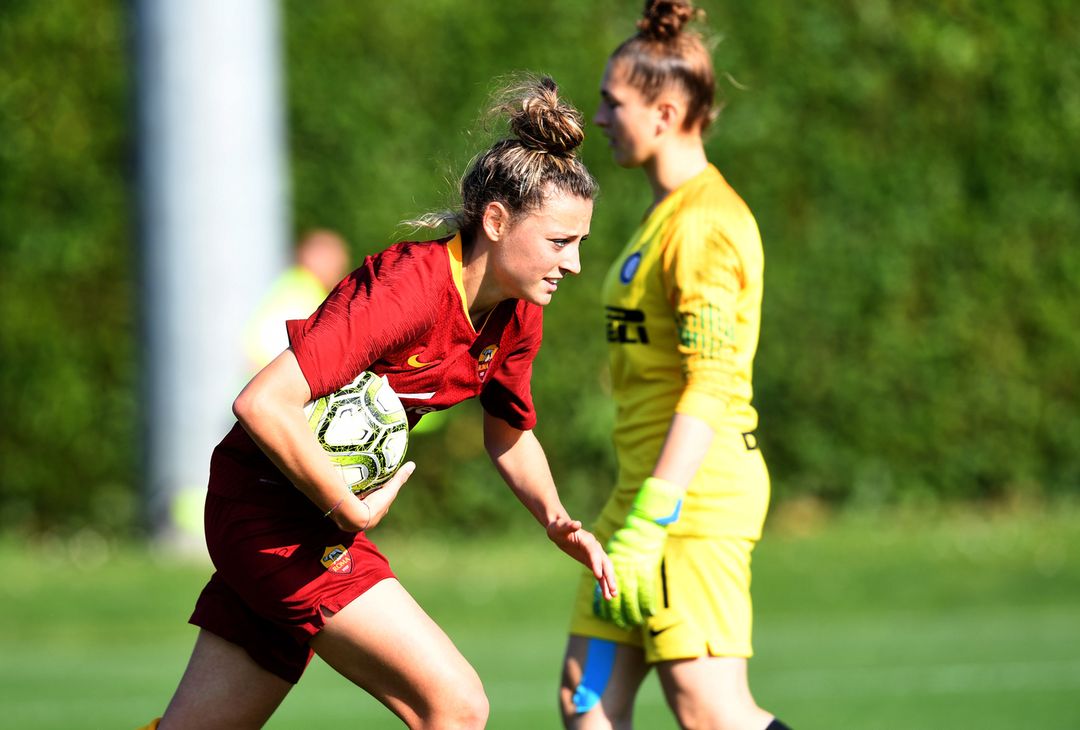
{"points": [[571, 261]]}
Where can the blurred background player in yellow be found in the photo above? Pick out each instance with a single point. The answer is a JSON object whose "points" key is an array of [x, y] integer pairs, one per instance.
{"points": [[322, 260], [683, 304]]}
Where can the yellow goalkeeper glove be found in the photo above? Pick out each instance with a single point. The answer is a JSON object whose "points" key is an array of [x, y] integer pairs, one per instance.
{"points": [[636, 550]]}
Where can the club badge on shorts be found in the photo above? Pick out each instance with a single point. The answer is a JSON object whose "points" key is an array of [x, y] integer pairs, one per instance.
{"points": [[484, 361], [336, 559]]}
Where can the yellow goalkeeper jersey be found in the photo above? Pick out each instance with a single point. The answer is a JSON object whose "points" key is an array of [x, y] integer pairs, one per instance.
{"points": [[683, 308]]}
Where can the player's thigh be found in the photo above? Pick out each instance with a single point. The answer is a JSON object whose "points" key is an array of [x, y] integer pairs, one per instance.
{"points": [[600, 680], [385, 643], [223, 687], [711, 692]]}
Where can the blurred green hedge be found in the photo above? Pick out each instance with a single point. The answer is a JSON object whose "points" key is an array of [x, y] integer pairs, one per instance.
{"points": [[68, 442], [913, 169]]}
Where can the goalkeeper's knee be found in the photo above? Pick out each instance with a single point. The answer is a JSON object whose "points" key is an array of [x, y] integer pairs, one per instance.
{"points": [[599, 661]]}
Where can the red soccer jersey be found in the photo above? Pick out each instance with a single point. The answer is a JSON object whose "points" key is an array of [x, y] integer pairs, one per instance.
{"points": [[403, 314]]}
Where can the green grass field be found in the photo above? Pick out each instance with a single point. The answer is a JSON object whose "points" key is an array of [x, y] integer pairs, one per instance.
{"points": [[913, 620]]}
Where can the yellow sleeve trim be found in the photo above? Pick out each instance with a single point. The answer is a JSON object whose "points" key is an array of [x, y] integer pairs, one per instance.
{"points": [[709, 408]]}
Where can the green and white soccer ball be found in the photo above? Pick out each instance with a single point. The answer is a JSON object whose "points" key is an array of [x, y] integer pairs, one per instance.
{"points": [[363, 429]]}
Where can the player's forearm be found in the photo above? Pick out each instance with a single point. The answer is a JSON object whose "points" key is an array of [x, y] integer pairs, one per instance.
{"points": [[687, 442], [285, 438], [529, 478], [520, 460], [542, 500], [270, 409]]}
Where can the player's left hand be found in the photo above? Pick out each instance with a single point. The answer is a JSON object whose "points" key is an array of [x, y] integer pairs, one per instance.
{"points": [[356, 514], [582, 546]]}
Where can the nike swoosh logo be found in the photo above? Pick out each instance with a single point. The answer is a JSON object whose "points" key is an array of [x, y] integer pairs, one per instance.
{"points": [[656, 632], [414, 361]]}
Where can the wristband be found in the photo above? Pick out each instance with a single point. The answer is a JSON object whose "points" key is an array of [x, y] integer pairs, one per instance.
{"points": [[338, 504], [659, 500], [368, 520]]}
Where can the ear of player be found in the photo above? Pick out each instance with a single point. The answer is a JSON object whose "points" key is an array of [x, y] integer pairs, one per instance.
{"points": [[636, 550]]}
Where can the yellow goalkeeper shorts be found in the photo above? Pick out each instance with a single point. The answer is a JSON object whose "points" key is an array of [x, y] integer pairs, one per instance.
{"points": [[704, 581], [704, 598]]}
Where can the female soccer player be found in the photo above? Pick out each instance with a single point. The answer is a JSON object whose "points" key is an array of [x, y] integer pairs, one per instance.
{"points": [[683, 305], [443, 320]]}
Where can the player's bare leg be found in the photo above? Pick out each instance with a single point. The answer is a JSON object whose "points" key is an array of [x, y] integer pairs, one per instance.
{"points": [[224, 688], [711, 693], [384, 643], [606, 701]]}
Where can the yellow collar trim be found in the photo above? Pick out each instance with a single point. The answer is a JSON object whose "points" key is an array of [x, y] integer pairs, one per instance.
{"points": [[454, 249]]}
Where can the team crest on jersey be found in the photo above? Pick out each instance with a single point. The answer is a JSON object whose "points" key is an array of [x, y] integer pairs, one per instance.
{"points": [[337, 559], [484, 361], [630, 267]]}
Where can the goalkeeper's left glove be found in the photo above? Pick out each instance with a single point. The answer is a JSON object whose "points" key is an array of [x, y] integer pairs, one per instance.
{"points": [[636, 550]]}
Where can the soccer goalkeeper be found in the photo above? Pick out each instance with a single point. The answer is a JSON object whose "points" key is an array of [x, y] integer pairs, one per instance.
{"points": [[683, 306]]}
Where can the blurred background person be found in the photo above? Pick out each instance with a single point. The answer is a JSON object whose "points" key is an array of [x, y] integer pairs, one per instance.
{"points": [[321, 260]]}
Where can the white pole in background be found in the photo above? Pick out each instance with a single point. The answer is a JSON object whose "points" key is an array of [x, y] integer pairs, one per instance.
{"points": [[213, 229]]}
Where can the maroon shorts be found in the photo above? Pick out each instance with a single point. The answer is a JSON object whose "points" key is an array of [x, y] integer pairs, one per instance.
{"points": [[278, 571]]}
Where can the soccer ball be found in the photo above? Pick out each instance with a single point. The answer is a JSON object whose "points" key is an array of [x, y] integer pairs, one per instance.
{"points": [[363, 429]]}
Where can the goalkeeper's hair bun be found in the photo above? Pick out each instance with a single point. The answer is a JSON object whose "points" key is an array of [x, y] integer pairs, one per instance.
{"points": [[664, 19], [666, 55]]}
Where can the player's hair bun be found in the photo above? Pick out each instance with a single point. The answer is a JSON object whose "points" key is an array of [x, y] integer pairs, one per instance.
{"points": [[540, 120], [664, 19], [533, 159]]}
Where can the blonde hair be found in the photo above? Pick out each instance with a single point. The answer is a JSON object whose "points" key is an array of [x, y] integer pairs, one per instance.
{"points": [[663, 54], [538, 157]]}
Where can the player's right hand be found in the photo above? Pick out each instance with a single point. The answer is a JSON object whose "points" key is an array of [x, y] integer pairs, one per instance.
{"points": [[360, 514], [582, 545]]}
